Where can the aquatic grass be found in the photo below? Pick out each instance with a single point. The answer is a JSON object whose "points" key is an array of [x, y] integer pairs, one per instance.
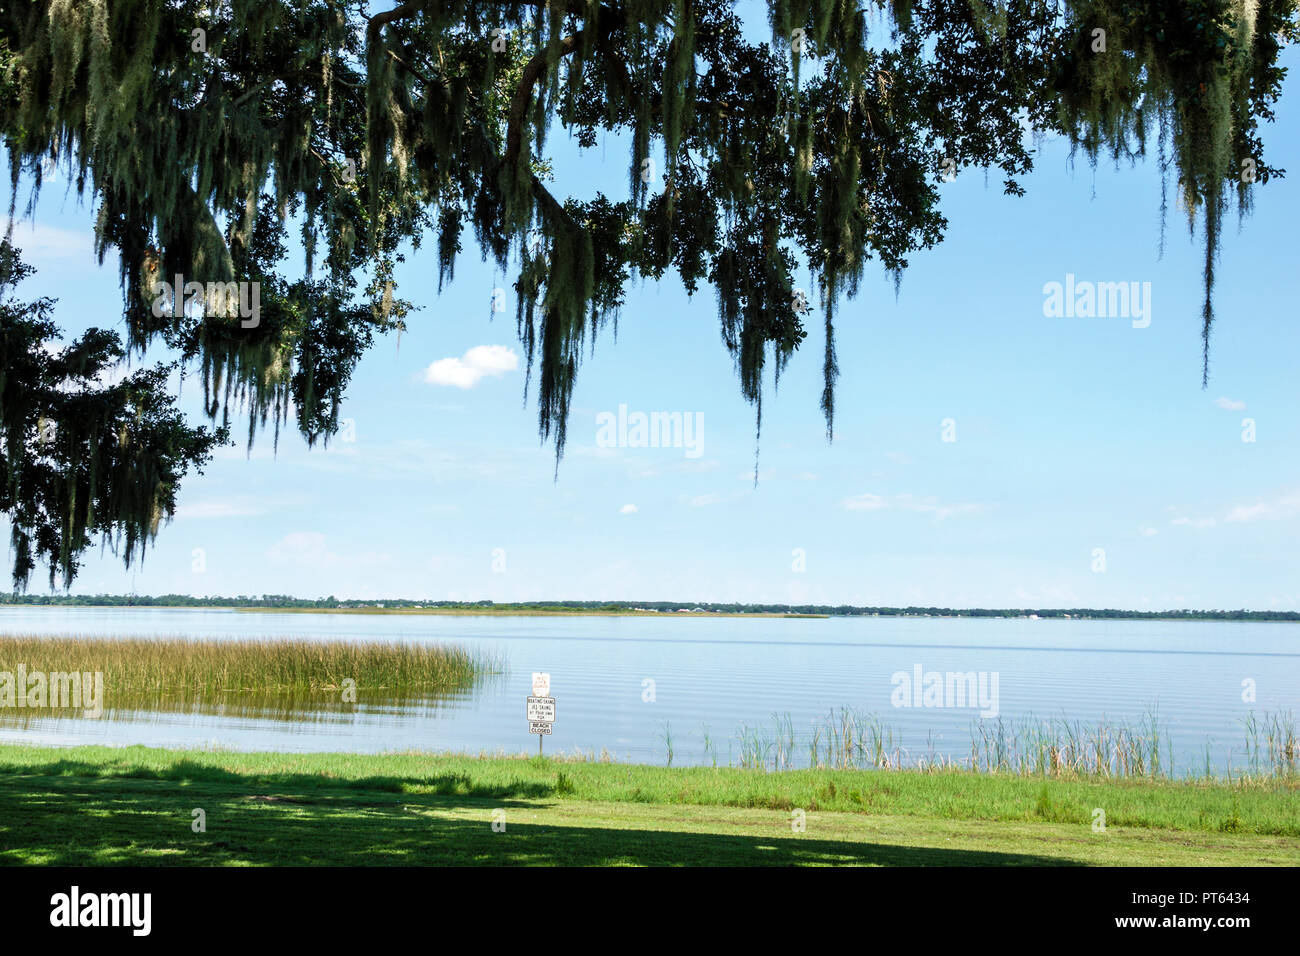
{"points": [[1271, 743], [755, 745], [850, 739], [282, 673], [1061, 747], [710, 748], [667, 736], [784, 742], [856, 739]]}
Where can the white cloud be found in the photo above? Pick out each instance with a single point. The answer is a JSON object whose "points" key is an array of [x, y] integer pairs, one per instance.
{"points": [[231, 508], [1147, 531], [41, 244], [928, 505], [700, 501], [899, 457], [866, 502], [238, 506], [1230, 404], [943, 510], [301, 547], [650, 469], [1280, 506], [424, 461], [627, 510], [478, 363], [299, 544], [1277, 509], [1047, 594], [309, 549], [589, 451]]}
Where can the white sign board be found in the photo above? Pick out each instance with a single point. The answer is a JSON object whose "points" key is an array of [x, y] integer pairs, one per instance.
{"points": [[541, 708], [541, 684], [539, 727]]}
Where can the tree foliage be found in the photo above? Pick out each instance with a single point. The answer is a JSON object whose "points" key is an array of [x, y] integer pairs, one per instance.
{"points": [[205, 130], [82, 456]]}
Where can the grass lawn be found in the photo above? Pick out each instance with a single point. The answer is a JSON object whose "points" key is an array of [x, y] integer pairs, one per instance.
{"points": [[134, 806]]}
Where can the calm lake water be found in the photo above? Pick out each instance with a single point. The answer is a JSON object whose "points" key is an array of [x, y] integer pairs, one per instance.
{"points": [[628, 685]]}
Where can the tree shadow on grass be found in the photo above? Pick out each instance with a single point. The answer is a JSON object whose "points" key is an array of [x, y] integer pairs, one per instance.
{"points": [[189, 773], [59, 817]]}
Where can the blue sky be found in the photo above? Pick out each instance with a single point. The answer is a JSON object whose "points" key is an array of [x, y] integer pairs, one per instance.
{"points": [[1072, 434]]}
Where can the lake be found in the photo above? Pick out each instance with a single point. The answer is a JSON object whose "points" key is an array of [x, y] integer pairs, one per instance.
{"points": [[632, 686]]}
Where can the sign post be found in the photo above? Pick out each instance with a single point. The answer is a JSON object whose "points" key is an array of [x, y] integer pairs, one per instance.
{"points": [[540, 708]]}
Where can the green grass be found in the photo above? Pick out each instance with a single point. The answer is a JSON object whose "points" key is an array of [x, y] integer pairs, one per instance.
{"points": [[262, 674], [96, 805]]}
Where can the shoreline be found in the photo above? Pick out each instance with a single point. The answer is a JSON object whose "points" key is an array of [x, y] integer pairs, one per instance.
{"points": [[512, 611], [525, 612]]}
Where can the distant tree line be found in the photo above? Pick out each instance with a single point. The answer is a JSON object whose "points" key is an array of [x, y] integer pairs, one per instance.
{"points": [[834, 610]]}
